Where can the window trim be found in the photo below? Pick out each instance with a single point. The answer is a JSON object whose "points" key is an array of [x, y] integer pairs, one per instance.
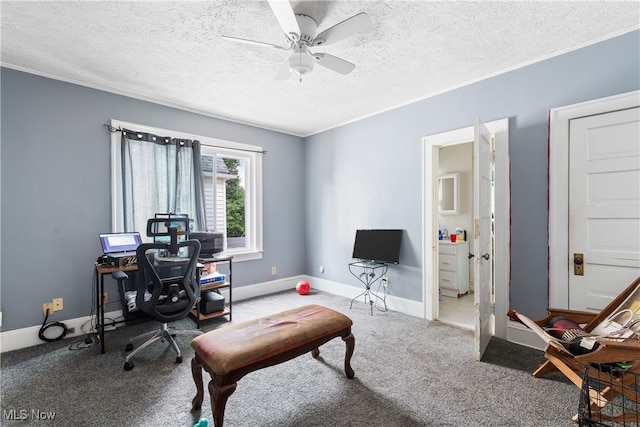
{"points": [[254, 212]]}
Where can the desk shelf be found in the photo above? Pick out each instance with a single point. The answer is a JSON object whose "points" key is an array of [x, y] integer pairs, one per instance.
{"points": [[105, 270], [201, 316], [227, 284]]}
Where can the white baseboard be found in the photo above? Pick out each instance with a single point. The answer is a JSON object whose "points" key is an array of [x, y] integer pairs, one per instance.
{"points": [[401, 305], [28, 337], [266, 288], [520, 334]]}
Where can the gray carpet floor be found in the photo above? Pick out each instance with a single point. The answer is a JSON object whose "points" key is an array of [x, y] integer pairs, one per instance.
{"points": [[408, 372]]}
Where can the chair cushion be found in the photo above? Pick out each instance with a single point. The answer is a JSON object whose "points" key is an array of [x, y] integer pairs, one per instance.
{"points": [[230, 348]]}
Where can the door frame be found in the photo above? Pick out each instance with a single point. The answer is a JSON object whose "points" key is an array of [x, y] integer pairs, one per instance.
{"points": [[559, 119], [502, 206]]}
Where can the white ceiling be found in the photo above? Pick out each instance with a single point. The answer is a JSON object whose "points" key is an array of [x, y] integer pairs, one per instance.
{"points": [[171, 52]]}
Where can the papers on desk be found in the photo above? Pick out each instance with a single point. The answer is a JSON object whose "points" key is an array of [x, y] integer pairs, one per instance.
{"points": [[214, 277]]}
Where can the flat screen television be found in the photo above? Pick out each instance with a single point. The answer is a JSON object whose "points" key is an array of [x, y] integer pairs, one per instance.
{"points": [[378, 246]]}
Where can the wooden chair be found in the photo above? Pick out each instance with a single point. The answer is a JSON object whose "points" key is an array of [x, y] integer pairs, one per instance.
{"points": [[609, 351]]}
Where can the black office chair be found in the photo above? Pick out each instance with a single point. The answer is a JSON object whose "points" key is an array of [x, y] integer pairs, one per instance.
{"points": [[167, 286]]}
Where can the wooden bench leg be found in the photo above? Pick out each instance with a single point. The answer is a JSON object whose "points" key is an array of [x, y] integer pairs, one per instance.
{"points": [[196, 372], [221, 387], [219, 395], [351, 344], [350, 341]]}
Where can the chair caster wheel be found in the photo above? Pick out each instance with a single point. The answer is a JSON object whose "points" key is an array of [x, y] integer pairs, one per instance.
{"points": [[129, 347], [179, 359], [128, 366]]}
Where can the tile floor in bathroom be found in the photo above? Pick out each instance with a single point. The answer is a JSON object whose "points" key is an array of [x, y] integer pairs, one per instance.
{"points": [[457, 311]]}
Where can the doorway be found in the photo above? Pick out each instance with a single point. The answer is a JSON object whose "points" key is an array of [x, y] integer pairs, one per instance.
{"points": [[594, 142], [431, 147], [455, 268]]}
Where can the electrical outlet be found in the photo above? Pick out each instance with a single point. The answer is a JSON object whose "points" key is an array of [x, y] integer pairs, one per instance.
{"points": [[105, 298], [47, 306], [273, 270], [57, 304]]}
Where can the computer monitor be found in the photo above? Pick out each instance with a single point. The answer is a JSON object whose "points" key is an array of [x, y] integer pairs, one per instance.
{"points": [[119, 242]]}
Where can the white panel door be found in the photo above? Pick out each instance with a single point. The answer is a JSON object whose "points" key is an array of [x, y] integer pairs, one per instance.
{"points": [[604, 206], [482, 208]]}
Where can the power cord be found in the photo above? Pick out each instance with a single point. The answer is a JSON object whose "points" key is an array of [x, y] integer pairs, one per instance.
{"points": [[46, 326], [89, 341], [384, 287], [92, 337]]}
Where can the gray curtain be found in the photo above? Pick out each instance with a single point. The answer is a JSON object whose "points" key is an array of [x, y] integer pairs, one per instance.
{"points": [[160, 174]]}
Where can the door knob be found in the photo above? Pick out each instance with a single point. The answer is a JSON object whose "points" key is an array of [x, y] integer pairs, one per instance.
{"points": [[486, 256], [578, 264]]}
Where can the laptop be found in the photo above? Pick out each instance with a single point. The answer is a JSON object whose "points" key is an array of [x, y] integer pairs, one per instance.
{"points": [[120, 244]]}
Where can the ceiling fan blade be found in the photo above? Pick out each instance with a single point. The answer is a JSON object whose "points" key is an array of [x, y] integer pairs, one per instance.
{"points": [[284, 72], [334, 63], [356, 24], [253, 42], [286, 18]]}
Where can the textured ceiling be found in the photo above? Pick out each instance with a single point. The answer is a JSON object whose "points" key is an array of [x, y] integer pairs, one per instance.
{"points": [[172, 53]]}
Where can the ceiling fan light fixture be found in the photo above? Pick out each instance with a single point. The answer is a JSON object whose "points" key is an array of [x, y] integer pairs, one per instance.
{"points": [[301, 62], [300, 32]]}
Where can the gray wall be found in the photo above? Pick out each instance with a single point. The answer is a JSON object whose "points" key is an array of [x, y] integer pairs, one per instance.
{"points": [[56, 194], [55, 178], [367, 174]]}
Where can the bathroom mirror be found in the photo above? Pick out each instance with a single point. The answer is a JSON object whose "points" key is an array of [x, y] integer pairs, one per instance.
{"points": [[448, 194]]}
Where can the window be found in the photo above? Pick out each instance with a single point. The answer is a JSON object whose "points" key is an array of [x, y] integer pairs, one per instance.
{"points": [[232, 189], [229, 193]]}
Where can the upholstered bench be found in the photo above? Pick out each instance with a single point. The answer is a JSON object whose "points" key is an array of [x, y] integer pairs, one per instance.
{"points": [[232, 352]]}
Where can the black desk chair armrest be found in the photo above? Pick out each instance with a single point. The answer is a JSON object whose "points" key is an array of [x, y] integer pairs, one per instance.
{"points": [[119, 275]]}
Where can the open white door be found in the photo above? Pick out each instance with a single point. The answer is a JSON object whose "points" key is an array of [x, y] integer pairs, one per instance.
{"points": [[482, 208]]}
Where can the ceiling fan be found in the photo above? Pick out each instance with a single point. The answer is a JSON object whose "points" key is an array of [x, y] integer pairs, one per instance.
{"points": [[300, 32]]}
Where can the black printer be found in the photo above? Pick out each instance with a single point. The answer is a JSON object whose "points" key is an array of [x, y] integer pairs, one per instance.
{"points": [[211, 302], [211, 242]]}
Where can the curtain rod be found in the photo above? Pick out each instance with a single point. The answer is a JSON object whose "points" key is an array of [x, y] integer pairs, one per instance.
{"points": [[118, 129]]}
